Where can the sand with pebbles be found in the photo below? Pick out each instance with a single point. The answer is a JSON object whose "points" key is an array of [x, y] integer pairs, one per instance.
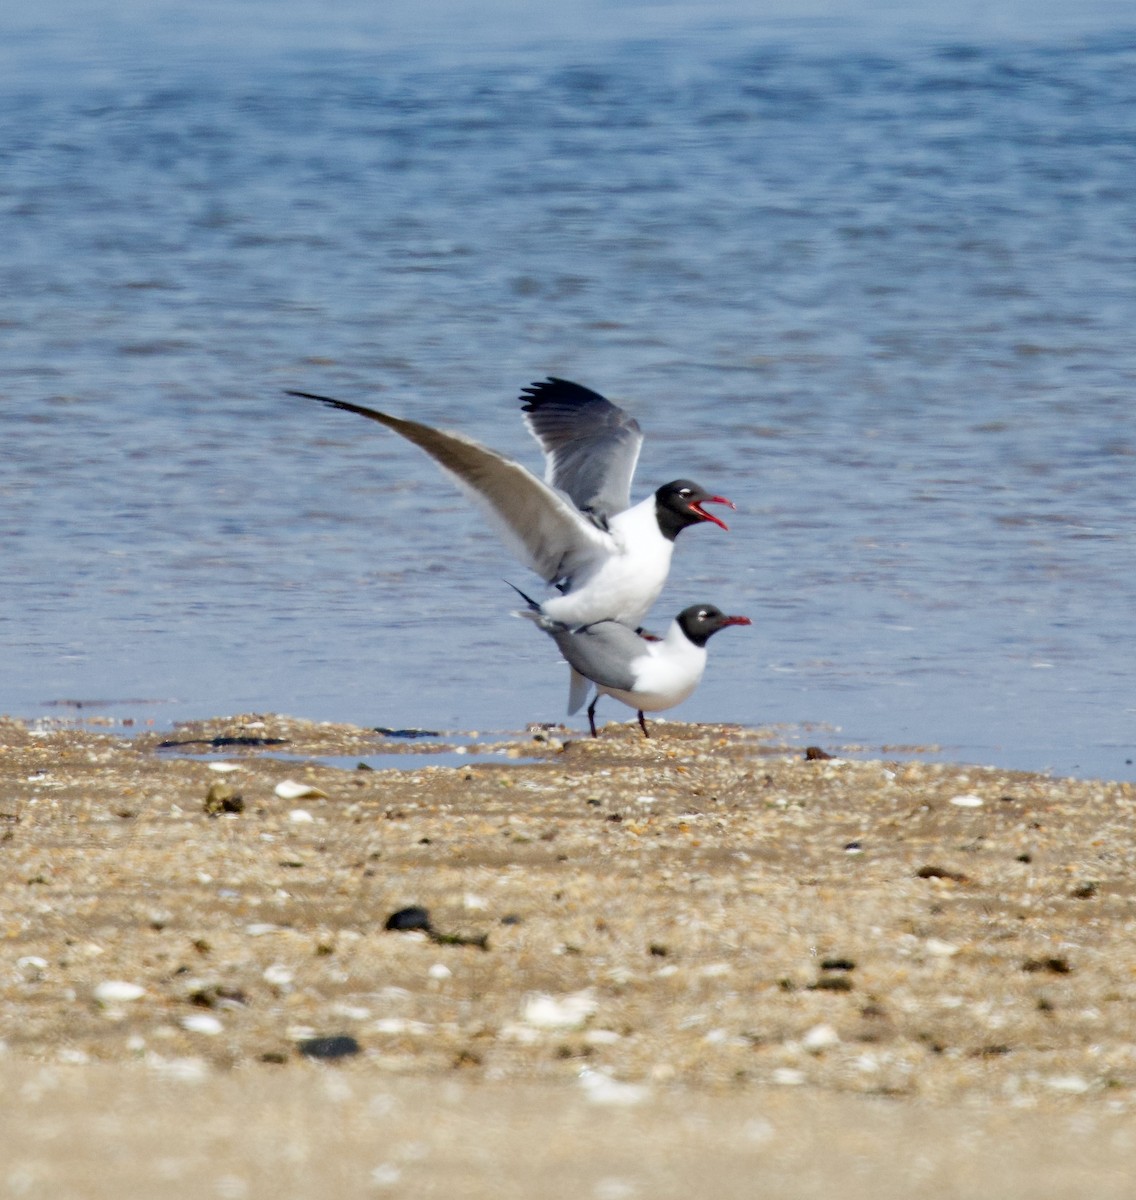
{"points": [[695, 965]]}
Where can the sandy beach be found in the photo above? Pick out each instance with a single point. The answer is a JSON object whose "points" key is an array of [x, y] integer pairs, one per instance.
{"points": [[699, 965]]}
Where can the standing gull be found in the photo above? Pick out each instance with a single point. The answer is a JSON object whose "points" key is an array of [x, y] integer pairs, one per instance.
{"points": [[648, 674]]}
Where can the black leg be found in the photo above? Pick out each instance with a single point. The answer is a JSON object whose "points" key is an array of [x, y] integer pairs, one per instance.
{"points": [[592, 715], [643, 724]]}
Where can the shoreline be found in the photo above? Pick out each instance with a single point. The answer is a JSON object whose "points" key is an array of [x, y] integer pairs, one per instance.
{"points": [[704, 918]]}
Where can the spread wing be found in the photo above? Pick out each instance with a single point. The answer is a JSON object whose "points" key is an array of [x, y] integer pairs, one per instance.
{"points": [[590, 444], [545, 532]]}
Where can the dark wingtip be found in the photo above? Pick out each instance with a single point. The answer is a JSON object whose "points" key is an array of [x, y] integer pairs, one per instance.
{"points": [[553, 389], [313, 396]]}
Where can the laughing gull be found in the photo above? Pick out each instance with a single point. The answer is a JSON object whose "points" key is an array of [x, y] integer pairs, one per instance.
{"points": [[577, 529], [648, 674]]}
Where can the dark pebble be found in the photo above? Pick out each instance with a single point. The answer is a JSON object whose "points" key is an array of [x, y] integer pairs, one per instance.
{"points": [[831, 983], [838, 964], [511, 919], [406, 733], [340, 1046], [219, 997], [409, 918], [1085, 891], [1055, 966], [658, 950], [815, 754], [995, 1050], [933, 872], [480, 941]]}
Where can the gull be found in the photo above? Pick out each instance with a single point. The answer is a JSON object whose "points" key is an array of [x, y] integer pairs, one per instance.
{"points": [[605, 558], [647, 674]]}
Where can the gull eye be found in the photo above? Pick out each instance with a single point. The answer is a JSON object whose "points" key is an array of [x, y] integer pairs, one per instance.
{"points": [[685, 492]]}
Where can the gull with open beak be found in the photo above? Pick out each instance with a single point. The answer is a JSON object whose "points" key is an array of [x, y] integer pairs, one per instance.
{"points": [[577, 529]]}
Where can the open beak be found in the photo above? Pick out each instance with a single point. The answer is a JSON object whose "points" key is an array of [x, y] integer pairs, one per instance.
{"points": [[697, 507]]}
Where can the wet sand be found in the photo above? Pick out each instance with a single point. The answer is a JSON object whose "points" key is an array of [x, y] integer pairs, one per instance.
{"points": [[695, 965]]}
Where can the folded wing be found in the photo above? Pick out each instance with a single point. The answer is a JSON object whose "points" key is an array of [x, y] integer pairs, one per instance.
{"points": [[603, 652]]}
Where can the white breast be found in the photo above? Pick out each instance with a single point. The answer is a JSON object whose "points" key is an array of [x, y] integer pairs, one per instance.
{"points": [[624, 585], [666, 674]]}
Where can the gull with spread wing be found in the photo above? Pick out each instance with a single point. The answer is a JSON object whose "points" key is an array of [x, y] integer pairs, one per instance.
{"points": [[577, 529]]}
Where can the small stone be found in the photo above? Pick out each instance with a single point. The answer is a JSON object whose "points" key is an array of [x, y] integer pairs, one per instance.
{"points": [[968, 800], [815, 754], [410, 918], [1055, 965], [601, 1088], [541, 1011], [118, 991], [940, 949], [788, 1077], [1075, 1085], [831, 983], [440, 972], [340, 1046], [278, 976], [300, 816], [221, 797], [202, 1023], [289, 789], [820, 1038], [932, 871], [838, 964]]}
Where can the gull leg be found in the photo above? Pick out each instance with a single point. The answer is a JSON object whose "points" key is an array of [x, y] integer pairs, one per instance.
{"points": [[592, 715], [643, 724]]}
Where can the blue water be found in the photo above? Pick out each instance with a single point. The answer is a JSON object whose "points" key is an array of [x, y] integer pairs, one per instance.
{"points": [[869, 270]]}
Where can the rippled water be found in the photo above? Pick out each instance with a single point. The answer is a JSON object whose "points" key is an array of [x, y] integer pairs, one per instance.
{"points": [[871, 275]]}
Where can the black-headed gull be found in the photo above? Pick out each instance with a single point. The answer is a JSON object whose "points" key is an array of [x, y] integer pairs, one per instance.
{"points": [[577, 529]]}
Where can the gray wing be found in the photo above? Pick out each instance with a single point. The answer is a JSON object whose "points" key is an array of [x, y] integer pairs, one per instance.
{"points": [[591, 445], [602, 652], [545, 532]]}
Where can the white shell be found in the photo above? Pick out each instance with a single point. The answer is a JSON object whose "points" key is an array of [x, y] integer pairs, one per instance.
{"points": [[289, 789], [202, 1023], [118, 991]]}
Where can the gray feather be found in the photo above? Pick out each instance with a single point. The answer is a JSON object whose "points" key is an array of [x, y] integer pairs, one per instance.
{"points": [[592, 445]]}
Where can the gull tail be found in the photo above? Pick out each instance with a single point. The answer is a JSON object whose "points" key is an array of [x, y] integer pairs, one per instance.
{"points": [[578, 688], [533, 608]]}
